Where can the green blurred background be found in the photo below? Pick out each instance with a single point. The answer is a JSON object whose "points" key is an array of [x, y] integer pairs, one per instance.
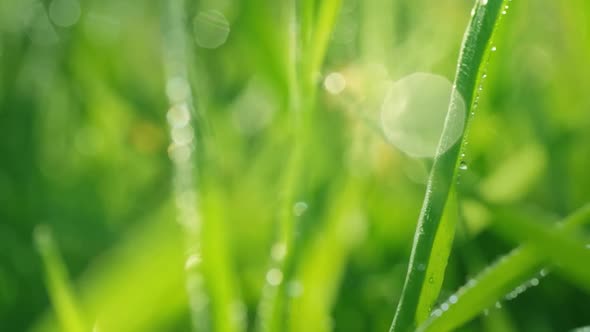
{"points": [[85, 152]]}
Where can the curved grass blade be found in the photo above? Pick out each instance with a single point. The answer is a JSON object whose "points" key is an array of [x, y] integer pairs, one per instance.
{"points": [[476, 44], [497, 280]]}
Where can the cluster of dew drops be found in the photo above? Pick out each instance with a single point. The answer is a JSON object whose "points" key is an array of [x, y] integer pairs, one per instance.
{"points": [[533, 282]]}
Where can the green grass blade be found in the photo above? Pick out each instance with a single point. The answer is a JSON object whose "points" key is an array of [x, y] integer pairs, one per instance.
{"points": [[476, 43], [137, 285], [174, 49], [563, 250], [496, 281], [58, 284], [443, 243], [315, 287], [302, 98]]}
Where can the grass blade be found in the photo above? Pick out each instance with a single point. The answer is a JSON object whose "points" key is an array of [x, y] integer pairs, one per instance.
{"points": [[58, 284], [438, 261], [302, 98], [496, 281], [563, 250], [323, 263], [476, 43]]}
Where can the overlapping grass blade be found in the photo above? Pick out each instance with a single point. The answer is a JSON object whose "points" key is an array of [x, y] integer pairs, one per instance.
{"points": [[499, 279]]}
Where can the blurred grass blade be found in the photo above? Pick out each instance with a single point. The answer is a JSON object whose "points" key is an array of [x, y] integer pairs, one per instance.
{"points": [[327, 16], [58, 284], [176, 65], [137, 286], [228, 309], [302, 100], [315, 286], [476, 44], [497, 280], [515, 176], [563, 250]]}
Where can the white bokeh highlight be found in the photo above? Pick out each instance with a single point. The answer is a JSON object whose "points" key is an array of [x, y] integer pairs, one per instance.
{"points": [[414, 112]]}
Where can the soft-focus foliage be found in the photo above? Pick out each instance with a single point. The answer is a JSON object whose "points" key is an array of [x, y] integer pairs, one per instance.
{"points": [[91, 162]]}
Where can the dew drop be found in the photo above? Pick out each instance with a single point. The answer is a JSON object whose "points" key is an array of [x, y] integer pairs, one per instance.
{"points": [[453, 299], [437, 313], [299, 208], [192, 261], [279, 251], [484, 2], [274, 277], [463, 166], [335, 83], [493, 48], [294, 288], [177, 89], [178, 116], [444, 306]]}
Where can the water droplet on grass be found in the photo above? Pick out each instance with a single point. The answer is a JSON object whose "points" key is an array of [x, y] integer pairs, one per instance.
{"points": [[294, 288], [211, 29], [177, 89], [335, 83], [463, 166], [192, 261], [274, 277], [299, 208], [279, 251], [178, 116], [415, 111]]}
